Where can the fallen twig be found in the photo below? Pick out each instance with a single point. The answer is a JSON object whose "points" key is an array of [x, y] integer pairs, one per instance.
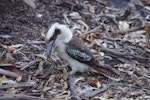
{"points": [[91, 94], [17, 85], [30, 64], [8, 73], [92, 31], [72, 88], [22, 97], [127, 31]]}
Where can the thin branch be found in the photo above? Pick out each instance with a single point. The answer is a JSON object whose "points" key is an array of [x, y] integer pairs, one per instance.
{"points": [[8, 73], [91, 94], [128, 31], [22, 97], [30, 64], [92, 31], [72, 88], [17, 85]]}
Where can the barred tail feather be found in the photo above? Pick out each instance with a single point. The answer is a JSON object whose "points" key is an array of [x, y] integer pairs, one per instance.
{"points": [[108, 72]]}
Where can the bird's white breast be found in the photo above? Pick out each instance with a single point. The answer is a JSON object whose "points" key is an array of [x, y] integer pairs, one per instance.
{"points": [[75, 65]]}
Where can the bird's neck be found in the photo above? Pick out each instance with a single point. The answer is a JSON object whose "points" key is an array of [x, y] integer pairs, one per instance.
{"points": [[62, 40]]}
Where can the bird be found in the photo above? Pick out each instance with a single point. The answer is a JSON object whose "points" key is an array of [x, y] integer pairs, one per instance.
{"points": [[74, 51]]}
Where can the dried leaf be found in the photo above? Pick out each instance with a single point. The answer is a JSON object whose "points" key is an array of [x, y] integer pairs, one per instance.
{"points": [[37, 72], [41, 56], [147, 29], [46, 89], [8, 47], [79, 79], [14, 91], [19, 78], [31, 3], [98, 84], [41, 67], [75, 15], [63, 95], [91, 9], [84, 24], [123, 89], [123, 25], [9, 57], [13, 48], [136, 93]]}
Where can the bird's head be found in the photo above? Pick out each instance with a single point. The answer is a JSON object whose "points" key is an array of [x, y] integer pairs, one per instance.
{"points": [[56, 35]]}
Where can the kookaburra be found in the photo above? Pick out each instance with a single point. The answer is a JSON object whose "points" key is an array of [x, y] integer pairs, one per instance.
{"points": [[74, 51]]}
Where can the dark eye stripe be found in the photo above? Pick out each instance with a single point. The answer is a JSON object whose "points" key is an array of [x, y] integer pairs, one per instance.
{"points": [[56, 33]]}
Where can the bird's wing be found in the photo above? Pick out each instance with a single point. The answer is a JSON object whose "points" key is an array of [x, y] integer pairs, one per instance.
{"points": [[77, 50]]}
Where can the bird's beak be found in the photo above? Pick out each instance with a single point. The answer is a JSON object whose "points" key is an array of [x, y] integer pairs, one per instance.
{"points": [[50, 45], [49, 49]]}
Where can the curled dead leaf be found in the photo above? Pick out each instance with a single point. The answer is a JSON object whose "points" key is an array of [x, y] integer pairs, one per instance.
{"points": [[19, 78], [41, 56], [46, 89], [91, 8], [63, 95], [13, 48], [9, 57], [84, 24]]}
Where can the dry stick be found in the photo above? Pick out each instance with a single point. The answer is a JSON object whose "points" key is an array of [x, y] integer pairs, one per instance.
{"points": [[92, 31], [91, 94], [128, 31], [72, 88], [41, 67], [17, 85], [114, 52], [22, 97], [8, 73], [28, 29], [30, 64]]}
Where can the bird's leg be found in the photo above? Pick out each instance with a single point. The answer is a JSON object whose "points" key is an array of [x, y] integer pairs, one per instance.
{"points": [[72, 72], [67, 75], [63, 66]]}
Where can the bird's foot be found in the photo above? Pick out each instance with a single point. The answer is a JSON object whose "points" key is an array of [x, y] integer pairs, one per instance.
{"points": [[63, 66], [66, 75]]}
